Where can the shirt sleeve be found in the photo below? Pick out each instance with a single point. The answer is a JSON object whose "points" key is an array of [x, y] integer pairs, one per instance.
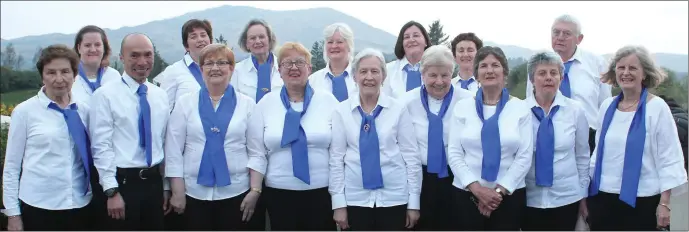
{"points": [[668, 157], [175, 140], [101, 128], [14, 155], [254, 141], [338, 149], [456, 154], [406, 138], [523, 157], [582, 151], [169, 84]]}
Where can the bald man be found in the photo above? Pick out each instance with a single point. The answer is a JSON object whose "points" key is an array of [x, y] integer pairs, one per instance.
{"points": [[128, 144]]}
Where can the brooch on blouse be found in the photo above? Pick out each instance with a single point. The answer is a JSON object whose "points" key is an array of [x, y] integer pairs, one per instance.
{"points": [[215, 129], [366, 127], [265, 89]]}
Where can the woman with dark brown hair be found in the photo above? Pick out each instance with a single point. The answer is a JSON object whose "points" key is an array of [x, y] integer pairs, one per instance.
{"points": [[93, 49], [403, 73]]}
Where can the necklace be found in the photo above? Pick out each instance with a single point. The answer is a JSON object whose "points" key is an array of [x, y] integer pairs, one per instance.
{"points": [[625, 108]]}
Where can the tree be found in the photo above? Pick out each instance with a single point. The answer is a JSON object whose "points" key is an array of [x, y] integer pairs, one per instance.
{"points": [[436, 33], [158, 64], [18, 64], [221, 40], [35, 58], [9, 56], [317, 60]]}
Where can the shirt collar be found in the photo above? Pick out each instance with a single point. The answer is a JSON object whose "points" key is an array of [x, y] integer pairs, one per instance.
{"points": [[45, 100], [188, 60], [131, 83], [249, 66], [404, 62], [559, 101], [348, 69], [383, 101], [457, 78]]}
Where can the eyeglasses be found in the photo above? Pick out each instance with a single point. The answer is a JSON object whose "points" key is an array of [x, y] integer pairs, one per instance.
{"points": [[288, 64], [220, 63], [565, 34]]}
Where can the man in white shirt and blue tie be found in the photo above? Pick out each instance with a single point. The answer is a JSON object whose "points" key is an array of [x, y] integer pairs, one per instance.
{"points": [[129, 118], [582, 71]]}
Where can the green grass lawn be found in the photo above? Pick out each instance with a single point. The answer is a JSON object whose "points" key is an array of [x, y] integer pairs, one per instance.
{"points": [[16, 97]]}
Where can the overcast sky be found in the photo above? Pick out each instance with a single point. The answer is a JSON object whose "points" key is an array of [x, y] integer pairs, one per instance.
{"points": [[607, 26]]}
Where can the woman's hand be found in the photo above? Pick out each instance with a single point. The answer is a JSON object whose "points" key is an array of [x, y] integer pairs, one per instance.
{"points": [[15, 223], [486, 196], [484, 210], [412, 217], [662, 216], [248, 205], [178, 202], [340, 217], [583, 209]]}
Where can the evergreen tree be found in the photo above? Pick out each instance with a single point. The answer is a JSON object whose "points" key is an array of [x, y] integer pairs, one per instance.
{"points": [[317, 61], [436, 33]]}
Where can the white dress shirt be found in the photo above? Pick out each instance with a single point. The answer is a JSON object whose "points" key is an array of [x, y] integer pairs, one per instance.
{"points": [[265, 134], [465, 152], [571, 131], [42, 165], [473, 87], [320, 80], [420, 118], [245, 78], [177, 80], [395, 84], [585, 85], [81, 91], [186, 139], [114, 120], [400, 161], [662, 164]]}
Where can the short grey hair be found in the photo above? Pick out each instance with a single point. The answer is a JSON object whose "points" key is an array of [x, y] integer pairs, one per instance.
{"points": [[437, 55], [271, 36], [569, 19], [346, 33], [654, 74], [544, 57], [366, 53]]}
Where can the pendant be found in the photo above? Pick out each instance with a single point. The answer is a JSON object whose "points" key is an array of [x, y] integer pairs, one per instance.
{"points": [[366, 127], [215, 129]]}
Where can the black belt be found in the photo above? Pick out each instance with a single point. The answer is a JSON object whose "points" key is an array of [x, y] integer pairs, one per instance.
{"points": [[140, 173]]}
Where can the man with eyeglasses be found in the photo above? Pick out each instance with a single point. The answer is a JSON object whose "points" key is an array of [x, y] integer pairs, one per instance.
{"points": [[582, 71]]}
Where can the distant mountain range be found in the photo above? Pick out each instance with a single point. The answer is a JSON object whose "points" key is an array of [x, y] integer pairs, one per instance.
{"points": [[304, 26]]}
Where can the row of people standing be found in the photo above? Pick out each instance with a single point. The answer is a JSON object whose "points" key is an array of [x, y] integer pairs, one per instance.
{"points": [[395, 148]]}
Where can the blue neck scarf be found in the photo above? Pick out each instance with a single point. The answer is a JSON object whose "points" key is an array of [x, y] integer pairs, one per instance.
{"points": [[195, 71], [565, 87], [339, 86], [264, 70], [77, 131], [213, 170], [633, 151], [92, 85], [490, 136], [293, 133], [413, 77], [437, 158], [145, 137], [545, 146], [369, 150], [465, 83]]}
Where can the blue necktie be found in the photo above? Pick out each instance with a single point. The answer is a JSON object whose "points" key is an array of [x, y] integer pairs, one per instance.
{"points": [[633, 151], [413, 77], [78, 132], [490, 136], [293, 133], [195, 71], [146, 139], [465, 83], [263, 74], [545, 146], [565, 87], [92, 85], [369, 150], [339, 86], [213, 169], [437, 159]]}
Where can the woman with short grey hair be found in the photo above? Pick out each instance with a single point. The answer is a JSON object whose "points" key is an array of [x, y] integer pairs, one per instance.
{"points": [[336, 77], [431, 108], [375, 171], [554, 187], [257, 75], [637, 164]]}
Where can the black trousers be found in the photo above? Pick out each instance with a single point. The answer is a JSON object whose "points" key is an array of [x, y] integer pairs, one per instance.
{"points": [[299, 210], [143, 200], [378, 218], [436, 198], [563, 218], [37, 219], [98, 208], [592, 140], [217, 215], [507, 217], [608, 212]]}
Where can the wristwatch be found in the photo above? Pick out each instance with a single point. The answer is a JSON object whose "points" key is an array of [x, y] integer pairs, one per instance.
{"points": [[499, 191], [111, 192]]}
